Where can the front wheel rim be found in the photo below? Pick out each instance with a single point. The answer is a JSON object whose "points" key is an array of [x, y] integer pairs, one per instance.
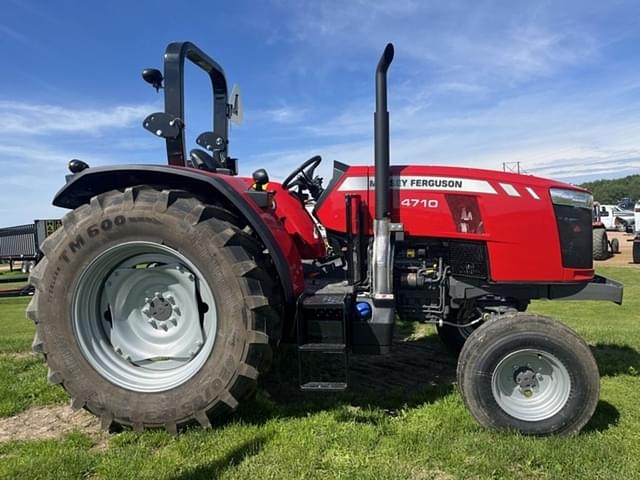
{"points": [[531, 385], [144, 316]]}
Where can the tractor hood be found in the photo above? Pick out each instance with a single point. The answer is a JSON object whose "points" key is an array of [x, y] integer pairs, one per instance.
{"points": [[511, 213]]}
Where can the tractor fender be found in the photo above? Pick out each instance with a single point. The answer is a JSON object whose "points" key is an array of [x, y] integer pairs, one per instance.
{"points": [[227, 190]]}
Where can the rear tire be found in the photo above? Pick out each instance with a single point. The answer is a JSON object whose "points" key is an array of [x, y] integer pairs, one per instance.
{"points": [[636, 251], [615, 245], [528, 373], [600, 244], [227, 314]]}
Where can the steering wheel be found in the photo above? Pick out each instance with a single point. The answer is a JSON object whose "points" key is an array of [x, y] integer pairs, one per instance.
{"points": [[303, 175]]}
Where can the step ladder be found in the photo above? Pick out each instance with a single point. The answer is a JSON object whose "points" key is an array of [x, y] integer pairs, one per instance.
{"points": [[323, 359]]}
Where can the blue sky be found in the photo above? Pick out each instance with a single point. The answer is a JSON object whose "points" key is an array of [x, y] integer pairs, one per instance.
{"points": [[554, 85]]}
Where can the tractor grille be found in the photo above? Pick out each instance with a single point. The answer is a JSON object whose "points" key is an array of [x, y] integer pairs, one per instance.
{"points": [[576, 236], [468, 259]]}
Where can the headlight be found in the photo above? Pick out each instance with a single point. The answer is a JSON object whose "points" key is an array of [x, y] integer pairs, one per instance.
{"points": [[571, 198]]}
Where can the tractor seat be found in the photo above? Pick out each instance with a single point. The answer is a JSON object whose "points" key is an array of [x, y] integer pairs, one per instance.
{"points": [[204, 161]]}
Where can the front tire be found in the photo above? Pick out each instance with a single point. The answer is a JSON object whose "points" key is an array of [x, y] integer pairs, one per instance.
{"points": [[600, 244], [615, 246], [152, 310], [528, 373]]}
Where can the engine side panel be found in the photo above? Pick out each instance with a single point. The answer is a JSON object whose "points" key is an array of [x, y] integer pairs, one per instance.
{"points": [[512, 214]]}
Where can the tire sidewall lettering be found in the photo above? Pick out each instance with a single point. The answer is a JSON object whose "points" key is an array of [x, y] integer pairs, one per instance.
{"points": [[105, 225]]}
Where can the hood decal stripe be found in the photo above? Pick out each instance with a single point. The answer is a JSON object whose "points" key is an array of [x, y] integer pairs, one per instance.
{"points": [[533, 193], [510, 190], [402, 182]]}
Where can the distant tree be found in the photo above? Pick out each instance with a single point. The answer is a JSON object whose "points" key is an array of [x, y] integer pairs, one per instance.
{"points": [[611, 191]]}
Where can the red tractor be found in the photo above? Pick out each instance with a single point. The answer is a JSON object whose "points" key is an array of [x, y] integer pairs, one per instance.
{"points": [[159, 301]]}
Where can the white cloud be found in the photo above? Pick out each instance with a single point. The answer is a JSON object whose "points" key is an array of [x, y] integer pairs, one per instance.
{"points": [[560, 135], [39, 140], [477, 43], [285, 114], [25, 118], [13, 34]]}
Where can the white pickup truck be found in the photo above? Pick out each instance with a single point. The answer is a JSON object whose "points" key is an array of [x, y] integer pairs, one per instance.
{"points": [[616, 218], [637, 217]]}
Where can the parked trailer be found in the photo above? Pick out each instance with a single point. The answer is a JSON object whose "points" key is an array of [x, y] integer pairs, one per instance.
{"points": [[22, 242]]}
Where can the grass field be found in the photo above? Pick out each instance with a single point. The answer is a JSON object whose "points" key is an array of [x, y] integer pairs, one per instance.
{"points": [[13, 279], [419, 432]]}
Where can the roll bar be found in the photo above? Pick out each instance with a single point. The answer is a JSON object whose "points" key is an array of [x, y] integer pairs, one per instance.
{"points": [[170, 123]]}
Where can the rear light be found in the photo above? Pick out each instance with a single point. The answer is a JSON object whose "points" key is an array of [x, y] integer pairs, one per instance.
{"points": [[637, 210], [571, 198]]}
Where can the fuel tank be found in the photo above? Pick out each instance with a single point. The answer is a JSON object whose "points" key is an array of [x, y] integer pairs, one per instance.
{"points": [[527, 237]]}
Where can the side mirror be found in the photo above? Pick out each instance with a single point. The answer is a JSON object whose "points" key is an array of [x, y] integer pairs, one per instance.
{"points": [[236, 114], [154, 77]]}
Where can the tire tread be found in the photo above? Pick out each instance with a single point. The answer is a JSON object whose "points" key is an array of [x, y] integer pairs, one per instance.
{"points": [[250, 270]]}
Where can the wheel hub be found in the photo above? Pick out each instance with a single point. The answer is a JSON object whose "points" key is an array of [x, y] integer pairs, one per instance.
{"points": [[144, 316], [154, 331], [531, 385], [527, 380], [161, 310]]}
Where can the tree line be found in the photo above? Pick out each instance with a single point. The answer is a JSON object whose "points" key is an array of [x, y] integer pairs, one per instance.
{"points": [[611, 191]]}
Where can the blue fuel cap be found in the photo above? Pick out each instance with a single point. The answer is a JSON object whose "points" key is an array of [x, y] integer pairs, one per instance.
{"points": [[364, 310]]}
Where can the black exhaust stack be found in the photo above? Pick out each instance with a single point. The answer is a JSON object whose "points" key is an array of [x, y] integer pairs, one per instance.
{"points": [[381, 135], [375, 334]]}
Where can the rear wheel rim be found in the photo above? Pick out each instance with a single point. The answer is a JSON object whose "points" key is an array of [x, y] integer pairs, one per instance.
{"points": [[531, 385], [144, 316]]}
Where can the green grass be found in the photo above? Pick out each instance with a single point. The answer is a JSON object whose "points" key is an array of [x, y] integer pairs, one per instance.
{"points": [[7, 273], [23, 377], [23, 384], [9, 285], [17, 332], [422, 433], [10, 280]]}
